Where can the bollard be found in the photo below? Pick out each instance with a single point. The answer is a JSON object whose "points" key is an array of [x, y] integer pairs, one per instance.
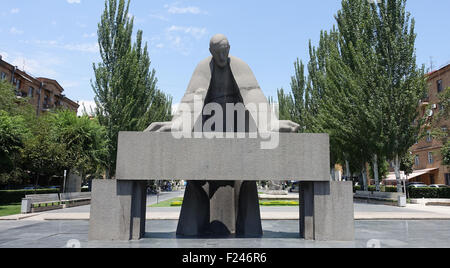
{"points": [[26, 206]]}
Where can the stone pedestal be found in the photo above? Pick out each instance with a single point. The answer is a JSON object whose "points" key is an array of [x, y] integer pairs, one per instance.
{"points": [[327, 211], [118, 210]]}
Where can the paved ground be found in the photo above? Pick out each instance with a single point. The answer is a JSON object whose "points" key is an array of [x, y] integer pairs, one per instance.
{"points": [[277, 234], [413, 226], [362, 212]]}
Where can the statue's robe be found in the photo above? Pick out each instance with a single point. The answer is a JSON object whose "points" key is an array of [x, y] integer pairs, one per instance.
{"points": [[247, 85], [222, 207]]}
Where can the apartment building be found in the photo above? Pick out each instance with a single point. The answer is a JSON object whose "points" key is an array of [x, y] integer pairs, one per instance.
{"points": [[428, 167], [44, 93]]}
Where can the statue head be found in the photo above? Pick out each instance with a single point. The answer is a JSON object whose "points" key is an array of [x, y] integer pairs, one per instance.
{"points": [[220, 49]]}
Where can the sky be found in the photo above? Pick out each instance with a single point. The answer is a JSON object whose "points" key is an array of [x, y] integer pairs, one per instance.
{"points": [[57, 39]]}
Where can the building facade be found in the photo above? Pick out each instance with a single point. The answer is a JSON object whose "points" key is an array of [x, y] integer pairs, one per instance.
{"points": [[427, 152], [44, 93]]}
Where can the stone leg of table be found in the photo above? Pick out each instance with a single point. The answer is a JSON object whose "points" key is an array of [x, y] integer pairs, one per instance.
{"points": [[327, 211], [117, 210]]}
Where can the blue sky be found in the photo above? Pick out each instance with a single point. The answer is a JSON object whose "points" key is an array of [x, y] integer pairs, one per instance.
{"points": [[57, 38]]}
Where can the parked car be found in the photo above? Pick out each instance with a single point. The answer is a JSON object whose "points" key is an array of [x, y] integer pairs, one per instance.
{"points": [[438, 186], [416, 185]]}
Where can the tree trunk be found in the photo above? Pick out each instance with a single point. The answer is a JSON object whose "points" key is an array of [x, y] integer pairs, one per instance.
{"points": [[397, 174], [375, 172], [364, 175], [36, 184], [347, 170]]}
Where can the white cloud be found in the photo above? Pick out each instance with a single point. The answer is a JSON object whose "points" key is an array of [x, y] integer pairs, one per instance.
{"points": [[176, 9], [193, 31], [182, 38], [81, 47], [15, 11], [91, 35], [14, 30], [74, 1], [159, 17], [84, 47], [69, 84], [36, 67]]}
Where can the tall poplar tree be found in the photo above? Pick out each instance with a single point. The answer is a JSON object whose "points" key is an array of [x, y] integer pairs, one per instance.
{"points": [[404, 82], [127, 97], [363, 85]]}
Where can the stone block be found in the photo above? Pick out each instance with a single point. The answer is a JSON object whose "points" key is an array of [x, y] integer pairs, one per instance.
{"points": [[333, 211], [117, 210], [160, 156]]}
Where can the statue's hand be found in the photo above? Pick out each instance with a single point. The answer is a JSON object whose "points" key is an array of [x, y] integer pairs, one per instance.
{"points": [[159, 127], [287, 126]]}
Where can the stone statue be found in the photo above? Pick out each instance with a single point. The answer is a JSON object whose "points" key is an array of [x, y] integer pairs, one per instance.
{"points": [[220, 207]]}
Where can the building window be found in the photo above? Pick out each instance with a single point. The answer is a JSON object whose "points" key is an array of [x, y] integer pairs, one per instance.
{"points": [[417, 161], [3, 76], [439, 86], [430, 158], [17, 84], [30, 92], [447, 179], [429, 136]]}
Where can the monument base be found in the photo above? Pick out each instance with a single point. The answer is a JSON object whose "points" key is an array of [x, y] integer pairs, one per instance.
{"points": [[327, 211], [118, 210]]}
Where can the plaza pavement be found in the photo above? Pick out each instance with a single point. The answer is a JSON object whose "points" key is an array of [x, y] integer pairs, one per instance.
{"points": [[376, 225]]}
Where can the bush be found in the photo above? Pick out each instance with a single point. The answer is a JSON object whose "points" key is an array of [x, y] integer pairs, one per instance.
{"points": [[429, 193], [390, 189], [15, 196], [373, 188], [277, 203]]}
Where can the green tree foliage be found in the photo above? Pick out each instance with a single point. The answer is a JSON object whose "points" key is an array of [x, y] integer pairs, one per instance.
{"points": [[445, 151], [13, 131], [62, 141], [15, 116], [404, 82], [444, 98], [363, 85], [42, 155], [85, 142], [126, 94], [293, 106], [32, 147], [407, 163]]}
